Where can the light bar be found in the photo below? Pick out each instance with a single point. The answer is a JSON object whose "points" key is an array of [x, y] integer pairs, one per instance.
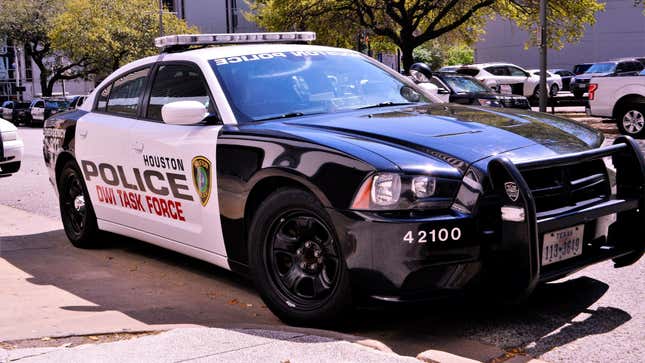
{"points": [[233, 38]]}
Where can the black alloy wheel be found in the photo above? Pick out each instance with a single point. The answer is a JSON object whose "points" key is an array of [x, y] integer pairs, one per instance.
{"points": [[302, 258], [296, 260], [77, 214]]}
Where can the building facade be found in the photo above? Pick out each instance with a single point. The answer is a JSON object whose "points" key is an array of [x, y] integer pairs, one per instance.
{"points": [[213, 16], [618, 33], [20, 77]]}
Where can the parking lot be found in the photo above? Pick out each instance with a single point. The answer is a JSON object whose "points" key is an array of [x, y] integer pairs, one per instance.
{"points": [[51, 289]]}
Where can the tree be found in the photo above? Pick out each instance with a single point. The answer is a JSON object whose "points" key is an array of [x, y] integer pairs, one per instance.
{"points": [[111, 33], [410, 23], [26, 22]]}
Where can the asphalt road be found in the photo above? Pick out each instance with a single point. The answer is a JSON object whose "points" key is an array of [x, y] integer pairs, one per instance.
{"points": [[596, 315]]}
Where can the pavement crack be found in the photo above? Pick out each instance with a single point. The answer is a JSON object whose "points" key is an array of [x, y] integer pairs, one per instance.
{"points": [[237, 349]]}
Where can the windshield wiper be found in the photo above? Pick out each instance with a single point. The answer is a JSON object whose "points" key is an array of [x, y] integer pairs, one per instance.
{"points": [[284, 115], [386, 104]]}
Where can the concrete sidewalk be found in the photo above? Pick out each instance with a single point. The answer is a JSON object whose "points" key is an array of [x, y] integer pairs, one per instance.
{"points": [[213, 345]]}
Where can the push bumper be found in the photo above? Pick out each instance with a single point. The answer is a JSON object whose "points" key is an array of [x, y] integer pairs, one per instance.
{"points": [[515, 258]]}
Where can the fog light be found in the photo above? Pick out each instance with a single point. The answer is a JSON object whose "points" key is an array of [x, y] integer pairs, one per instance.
{"points": [[423, 186], [513, 214]]}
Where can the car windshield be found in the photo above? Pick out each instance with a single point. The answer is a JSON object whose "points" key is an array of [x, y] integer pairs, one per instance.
{"points": [[602, 68], [465, 84], [298, 83], [56, 104]]}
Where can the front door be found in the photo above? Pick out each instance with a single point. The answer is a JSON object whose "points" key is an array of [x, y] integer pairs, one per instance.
{"points": [[178, 163]]}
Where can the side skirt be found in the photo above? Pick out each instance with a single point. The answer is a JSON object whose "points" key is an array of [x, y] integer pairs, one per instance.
{"points": [[210, 257]]}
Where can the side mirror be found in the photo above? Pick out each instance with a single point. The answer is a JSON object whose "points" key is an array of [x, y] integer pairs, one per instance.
{"points": [[183, 113]]}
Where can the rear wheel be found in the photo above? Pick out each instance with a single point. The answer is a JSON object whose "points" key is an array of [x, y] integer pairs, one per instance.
{"points": [[77, 214], [631, 120], [296, 260]]}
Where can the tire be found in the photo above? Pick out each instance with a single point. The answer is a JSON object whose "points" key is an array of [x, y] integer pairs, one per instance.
{"points": [[10, 168], [296, 261], [553, 92], [577, 94], [631, 120], [77, 213]]}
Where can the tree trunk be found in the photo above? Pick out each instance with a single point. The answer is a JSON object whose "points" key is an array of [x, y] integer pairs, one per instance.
{"points": [[407, 58], [45, 88]]}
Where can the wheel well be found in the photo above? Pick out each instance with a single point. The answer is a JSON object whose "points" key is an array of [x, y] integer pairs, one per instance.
{"points": [[262, 190], [626, 100], [62, 159]]}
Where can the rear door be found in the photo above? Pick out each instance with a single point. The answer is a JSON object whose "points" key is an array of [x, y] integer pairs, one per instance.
{"points": [[181, 202], [103, 149]]}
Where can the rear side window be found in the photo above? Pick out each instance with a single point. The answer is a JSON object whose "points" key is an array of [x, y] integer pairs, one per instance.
{"points": [[176, 82], [126, 93], [498, 71]]}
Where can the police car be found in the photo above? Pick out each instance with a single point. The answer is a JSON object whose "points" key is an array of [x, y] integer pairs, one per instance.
{"points": [[324, 175]]}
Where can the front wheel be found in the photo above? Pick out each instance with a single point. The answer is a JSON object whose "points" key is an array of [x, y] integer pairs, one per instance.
{"points": [[296, 260], [77, 214], [554, 90], [631, 120]]}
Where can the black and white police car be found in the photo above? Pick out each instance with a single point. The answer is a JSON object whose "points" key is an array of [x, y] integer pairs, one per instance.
{"points": [[324, 175]]}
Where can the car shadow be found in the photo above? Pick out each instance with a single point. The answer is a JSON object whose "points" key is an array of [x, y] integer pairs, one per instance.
{"points": [[157, 286]]}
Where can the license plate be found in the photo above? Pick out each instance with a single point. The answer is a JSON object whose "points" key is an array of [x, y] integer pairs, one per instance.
{"points": [[562, 244]]}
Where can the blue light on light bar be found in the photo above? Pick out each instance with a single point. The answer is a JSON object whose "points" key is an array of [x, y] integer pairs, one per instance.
{"points": [[233, 38]]}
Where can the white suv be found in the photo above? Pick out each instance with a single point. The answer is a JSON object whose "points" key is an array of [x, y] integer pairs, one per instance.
{"points": [[505, 77]]}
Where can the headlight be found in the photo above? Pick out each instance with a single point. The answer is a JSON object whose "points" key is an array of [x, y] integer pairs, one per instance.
{"points": [[488, 102], [391, 191], [9, 136], [386, 189]]}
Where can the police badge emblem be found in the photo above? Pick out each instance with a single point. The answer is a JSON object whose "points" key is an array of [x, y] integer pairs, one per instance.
{"points": [[512, 191], [202, 178]]}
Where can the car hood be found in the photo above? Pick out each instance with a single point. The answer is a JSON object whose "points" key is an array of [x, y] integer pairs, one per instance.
{"points": [[467, 134]]}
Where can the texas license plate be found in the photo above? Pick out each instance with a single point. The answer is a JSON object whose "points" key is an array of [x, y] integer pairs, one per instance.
{"points": [[562, 244]]}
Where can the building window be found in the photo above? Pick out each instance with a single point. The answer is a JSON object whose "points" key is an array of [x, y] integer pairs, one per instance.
{"points": [[169, 5]]}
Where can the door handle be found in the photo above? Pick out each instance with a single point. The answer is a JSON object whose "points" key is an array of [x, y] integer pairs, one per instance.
{"points": [[82, 132], [137, 146]]}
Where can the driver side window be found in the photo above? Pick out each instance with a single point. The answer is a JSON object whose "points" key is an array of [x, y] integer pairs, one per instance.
{"points": [[176, 82], [516, 72]]}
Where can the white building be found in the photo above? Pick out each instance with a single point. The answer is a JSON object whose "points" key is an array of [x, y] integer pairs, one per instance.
{"points": [[25, 84]]}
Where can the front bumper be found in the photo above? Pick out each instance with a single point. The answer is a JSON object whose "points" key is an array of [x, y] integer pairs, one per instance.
{"points": [[385, 263]]}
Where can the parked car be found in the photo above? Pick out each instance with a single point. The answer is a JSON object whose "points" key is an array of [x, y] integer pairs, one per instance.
{"points": [[41, 109], [581, 68], [76, 102], [553, 81], [621, 98], [628, 67], [14, 111], [11, 148], [466, 90], [565, 75], [327, 177], [504, 77]]}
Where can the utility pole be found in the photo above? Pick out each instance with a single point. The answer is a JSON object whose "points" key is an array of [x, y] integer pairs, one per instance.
{"points": [[17, 53], [161, 18], [543, 56]]}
